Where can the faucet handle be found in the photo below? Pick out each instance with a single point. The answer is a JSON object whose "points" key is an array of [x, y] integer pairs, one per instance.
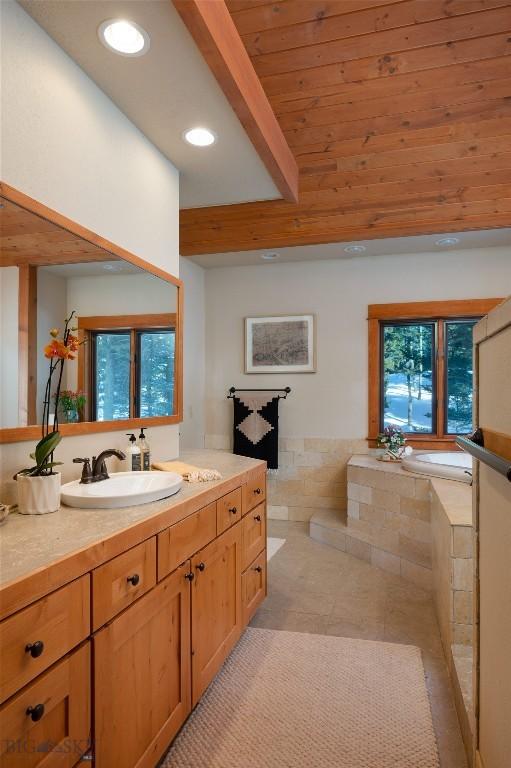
{"points": [[86, 471]]}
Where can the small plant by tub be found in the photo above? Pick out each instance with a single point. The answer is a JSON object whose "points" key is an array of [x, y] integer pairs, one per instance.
{"points": [[392, 442], [39, 485]]}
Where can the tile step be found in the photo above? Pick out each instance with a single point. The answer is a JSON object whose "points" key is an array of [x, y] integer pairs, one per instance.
{"points": [[328, 527]]}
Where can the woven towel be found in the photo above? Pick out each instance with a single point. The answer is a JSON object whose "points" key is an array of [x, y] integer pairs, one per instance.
{"points": [[188, 471]]}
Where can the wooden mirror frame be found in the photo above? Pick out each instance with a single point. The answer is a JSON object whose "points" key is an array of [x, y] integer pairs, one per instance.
{"points": [[105, 250]]}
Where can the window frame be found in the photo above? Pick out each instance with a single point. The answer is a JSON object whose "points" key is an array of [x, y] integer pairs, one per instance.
{"points": [[433, 311], [89, 327]]}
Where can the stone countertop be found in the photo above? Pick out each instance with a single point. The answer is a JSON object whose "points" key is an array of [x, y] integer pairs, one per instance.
{"points": [[31, 543], [455, 498], [366, 461]]}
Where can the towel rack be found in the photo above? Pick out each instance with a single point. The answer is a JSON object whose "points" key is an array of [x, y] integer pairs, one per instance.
{"points": [[475, 446], [286, 391]]}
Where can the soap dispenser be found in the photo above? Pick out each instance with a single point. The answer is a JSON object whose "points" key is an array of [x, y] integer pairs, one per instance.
{"points": [[145, 451], [133, 454]]}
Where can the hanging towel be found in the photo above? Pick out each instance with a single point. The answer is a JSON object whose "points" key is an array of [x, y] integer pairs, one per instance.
{"points": [[256, 427]]}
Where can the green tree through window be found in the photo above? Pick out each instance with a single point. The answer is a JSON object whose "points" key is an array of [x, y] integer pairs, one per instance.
{"points": [[133, 373], [408, 368], [412, 381]]}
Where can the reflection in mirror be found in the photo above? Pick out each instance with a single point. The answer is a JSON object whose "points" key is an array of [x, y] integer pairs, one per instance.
{"points": [[126, 322]]}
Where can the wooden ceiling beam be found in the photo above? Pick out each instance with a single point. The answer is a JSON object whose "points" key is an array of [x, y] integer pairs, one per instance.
{"points": [[216, 36], [370, 225]]}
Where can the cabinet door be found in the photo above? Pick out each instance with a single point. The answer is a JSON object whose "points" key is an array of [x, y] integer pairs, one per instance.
{"points": [[253, 584], [142, 676], [253, 534], [47, 724], [216, 607]]}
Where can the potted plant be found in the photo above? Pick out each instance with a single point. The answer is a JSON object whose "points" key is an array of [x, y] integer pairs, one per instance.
{"points": [[39, 485], [71, 404], [392, 441]]}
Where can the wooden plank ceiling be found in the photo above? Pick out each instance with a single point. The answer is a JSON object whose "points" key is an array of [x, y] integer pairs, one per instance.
{"points": [[398, 113], [27, 239]]}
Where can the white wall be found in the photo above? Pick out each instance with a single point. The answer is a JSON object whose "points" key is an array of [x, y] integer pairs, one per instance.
{"points": [[193, 426], [332, 402], [66, 144], [120, 295]]}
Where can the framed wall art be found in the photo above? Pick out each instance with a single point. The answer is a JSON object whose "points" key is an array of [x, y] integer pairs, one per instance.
{"points": [[280, 344]]}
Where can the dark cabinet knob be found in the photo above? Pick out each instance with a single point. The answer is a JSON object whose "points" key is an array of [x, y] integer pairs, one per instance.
{"points": [[35, 713], [189, 576], [258, 569], [257, 491], [233, 510], [200, 567], [257, 518], [35, 649], [133, 579]]}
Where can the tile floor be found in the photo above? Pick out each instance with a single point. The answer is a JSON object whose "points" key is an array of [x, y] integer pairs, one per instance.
{"points": [[315, 588]]}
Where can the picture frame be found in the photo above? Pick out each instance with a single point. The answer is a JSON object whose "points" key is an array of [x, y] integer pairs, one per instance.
{"points": [[280, 344]]}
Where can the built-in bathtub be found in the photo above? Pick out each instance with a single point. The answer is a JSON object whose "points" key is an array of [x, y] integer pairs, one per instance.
{"points": [[451, 465]]}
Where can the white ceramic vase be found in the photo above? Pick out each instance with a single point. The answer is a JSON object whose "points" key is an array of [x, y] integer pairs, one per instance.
{"points": [[38, 495]]}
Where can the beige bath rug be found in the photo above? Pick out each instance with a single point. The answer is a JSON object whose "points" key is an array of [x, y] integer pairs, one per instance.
{"points": [[293, 700]]}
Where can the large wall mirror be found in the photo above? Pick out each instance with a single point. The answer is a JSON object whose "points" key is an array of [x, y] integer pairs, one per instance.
{"points": [[126, 315]]}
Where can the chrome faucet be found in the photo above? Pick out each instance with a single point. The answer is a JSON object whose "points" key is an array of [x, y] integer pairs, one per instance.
{"points": [[98, 471]]}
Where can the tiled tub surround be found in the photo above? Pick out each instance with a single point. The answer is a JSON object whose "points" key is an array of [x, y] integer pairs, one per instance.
{"points": [[312, 475], [453, 577], [389, 513], [453, 567], [413, 526]]}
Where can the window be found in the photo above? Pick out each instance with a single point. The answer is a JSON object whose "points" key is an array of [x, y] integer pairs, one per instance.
{"points": [[420, 368], [128, 372]]}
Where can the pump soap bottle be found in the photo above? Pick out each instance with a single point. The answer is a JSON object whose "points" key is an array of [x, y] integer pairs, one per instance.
{"points": [[145, 451], [133, 454]]}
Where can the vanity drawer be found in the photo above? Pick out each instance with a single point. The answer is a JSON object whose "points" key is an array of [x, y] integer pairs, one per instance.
{"points": [[253, 535], [121, 581], [56, 731], [36, 637], [182, 540], [254, 492], [253, 586], [228, 511]]}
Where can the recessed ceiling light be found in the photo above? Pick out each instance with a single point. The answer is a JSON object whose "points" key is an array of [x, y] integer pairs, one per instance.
{"points": [[445, 241], [355, 249], [200, 137], [270, 256], [124, 37], [112, 267]]}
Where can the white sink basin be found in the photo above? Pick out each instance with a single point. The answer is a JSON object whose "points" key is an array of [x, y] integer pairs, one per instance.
{"points": [[122, 489]]}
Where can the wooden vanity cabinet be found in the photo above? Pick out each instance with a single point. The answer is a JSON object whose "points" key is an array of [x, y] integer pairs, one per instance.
{"points": [[142, 676], [167, 608], [216, 607], [47, 724]]}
